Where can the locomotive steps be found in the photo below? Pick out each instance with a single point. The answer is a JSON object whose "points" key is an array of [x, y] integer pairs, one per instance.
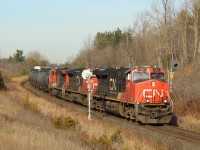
{"points": [[173, 137]]}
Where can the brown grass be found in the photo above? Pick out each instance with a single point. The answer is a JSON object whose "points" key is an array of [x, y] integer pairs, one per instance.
{"points": [[23, 129], [28, 122]]}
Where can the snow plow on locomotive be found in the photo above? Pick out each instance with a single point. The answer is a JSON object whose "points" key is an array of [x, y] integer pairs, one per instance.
{"points": [[139, 93]]}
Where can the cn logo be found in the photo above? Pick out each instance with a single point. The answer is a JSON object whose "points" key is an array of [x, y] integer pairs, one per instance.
{"points": [[149, 93]]}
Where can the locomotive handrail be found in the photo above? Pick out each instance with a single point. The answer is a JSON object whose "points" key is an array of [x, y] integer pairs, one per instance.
{"points": [[139, 95]]}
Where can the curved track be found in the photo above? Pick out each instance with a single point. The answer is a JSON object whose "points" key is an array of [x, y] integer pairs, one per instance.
{"points": [[174, 133]]}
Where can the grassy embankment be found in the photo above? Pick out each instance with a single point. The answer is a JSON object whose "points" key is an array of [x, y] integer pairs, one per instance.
{"points": [[31, 122]]}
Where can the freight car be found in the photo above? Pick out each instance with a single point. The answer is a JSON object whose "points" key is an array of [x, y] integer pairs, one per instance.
{"points": [[138, 93], [39, 77]]}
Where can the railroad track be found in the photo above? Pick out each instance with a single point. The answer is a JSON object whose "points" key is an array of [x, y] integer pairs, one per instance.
{"points": [[178, 133], [171, 131], [165, 129]]}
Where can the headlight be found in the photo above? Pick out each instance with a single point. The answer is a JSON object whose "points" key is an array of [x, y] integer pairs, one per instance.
{"points": [[147, 101], [165, 101]]}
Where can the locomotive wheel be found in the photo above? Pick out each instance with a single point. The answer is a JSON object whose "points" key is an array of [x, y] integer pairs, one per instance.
{"points": [[129, 113]]}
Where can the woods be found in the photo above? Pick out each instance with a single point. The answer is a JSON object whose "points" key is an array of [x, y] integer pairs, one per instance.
{"points": [[156, 37]]}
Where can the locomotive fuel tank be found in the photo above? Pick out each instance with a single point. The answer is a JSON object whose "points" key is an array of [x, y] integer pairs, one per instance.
{"points": [[113, 107]]}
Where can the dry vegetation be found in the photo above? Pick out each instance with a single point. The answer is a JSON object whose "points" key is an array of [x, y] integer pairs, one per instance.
{"points": [[24, 129], [186, 98], [31, 122], [9, 69]]}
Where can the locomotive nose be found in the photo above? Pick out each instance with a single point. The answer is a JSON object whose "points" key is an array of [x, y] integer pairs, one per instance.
{"points": [[154, 92]]}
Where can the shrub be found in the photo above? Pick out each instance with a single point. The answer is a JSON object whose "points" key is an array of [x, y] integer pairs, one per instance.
{"points": [[25, 101], [117, 137], [24, 72], [65, 122], [106, 142], [27, 104], [56, 122], [2, 84], [103, 142]]}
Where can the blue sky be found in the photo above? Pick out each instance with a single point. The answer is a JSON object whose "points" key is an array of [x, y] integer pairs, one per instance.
{"points": [[57, 29]]}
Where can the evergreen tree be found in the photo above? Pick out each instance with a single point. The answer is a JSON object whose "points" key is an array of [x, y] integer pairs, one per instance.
{"points": [[17, 57]]}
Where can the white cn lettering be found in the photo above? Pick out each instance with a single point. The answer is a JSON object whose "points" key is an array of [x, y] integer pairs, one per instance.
{"points": [[152, 94]]}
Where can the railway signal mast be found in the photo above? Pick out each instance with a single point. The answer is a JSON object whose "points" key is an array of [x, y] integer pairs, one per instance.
{"points": [[174, 66], [86, 74]]}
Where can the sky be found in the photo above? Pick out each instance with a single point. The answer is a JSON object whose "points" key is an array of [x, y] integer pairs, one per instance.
{"points": [[58, 28]]}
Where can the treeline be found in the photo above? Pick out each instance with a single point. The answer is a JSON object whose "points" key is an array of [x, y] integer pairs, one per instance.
{"points": [[18, 65], [34, 58], [156, 37]]}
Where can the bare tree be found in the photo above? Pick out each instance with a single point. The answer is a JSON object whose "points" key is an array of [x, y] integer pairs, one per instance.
{"points": [[196, 11], [87, 49], [35, 58], [185, 32]]}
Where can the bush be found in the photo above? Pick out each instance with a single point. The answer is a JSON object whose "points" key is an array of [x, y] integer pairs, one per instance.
{"points": [[24, 72], [103, 142], [27, 104], [2, 84], [65, 122], [117, 137], [106, 142], [25, 101]]}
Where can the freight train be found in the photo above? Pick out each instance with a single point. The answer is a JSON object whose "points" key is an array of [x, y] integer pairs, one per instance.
{"points": [[140, 93]]}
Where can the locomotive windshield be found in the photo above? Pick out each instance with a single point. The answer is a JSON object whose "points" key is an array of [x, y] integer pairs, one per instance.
{"points": [[140, 76], [159, 76]]}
